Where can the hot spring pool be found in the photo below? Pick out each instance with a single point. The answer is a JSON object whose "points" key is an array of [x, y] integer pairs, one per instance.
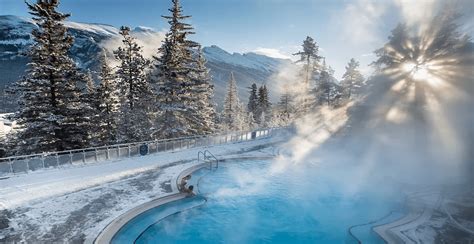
{"points": [[243, 202]]}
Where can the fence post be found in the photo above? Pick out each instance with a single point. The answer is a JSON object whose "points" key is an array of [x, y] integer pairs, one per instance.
{"points": [[27, 165], [57, 160], [95, 155], [70, 157], [11, 165], [42, 160], [107, 157], [128, 146], [84, 156]]}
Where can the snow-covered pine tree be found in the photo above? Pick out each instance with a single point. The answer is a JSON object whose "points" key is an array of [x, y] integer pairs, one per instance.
{"points": [[264, 107], [175, 79], [200, 107], [310, 59], [250, 122], [232, 115], [137, 96], [327, 92], [252, 106], [51, 113], [3, 146], [285, 109], [90, 101], [108, 105], [352, 80]]}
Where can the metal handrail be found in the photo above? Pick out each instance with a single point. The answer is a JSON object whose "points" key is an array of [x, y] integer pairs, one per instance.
{"points": [[28, 163], [211, 156], [65, 152], [208, 156]]}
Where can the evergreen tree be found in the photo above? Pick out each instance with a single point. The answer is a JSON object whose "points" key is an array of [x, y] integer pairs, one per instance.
{"points": [[3, 147], [135, 117], [310, 59], [108, 105], [323, 89], [233, 116], [327, 92], [250, 122], [200, 107], [252, 106], [264, 107], [179, 77], [352, 79], [90, 100], [285, 109], [51, 112]]}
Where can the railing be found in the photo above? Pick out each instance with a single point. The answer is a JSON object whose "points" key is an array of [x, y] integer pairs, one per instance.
{"points": [[207, 156], [29, 163]]}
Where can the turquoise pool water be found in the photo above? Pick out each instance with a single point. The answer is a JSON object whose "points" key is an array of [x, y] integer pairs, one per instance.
{"points": [[244, 202]]}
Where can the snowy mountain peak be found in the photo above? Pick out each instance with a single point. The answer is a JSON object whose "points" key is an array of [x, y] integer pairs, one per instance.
{"points": [[246, 60], [144, 29], [98, 29]]}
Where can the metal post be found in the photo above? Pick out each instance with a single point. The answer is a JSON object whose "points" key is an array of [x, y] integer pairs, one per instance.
{"points": [[42, 160], [84, 156], [107, 157], [96, 159], [128, 146], [57, 160], [11, 165], [27, 165]]}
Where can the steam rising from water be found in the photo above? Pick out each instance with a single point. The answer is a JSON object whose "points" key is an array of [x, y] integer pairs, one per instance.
{"points": [[414, 127]]}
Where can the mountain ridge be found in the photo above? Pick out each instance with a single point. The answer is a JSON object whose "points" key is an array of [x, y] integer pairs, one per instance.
{"points": [[92, 38]]}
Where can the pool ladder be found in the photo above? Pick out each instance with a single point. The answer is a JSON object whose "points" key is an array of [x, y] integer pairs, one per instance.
{"points": [[208, 157]]}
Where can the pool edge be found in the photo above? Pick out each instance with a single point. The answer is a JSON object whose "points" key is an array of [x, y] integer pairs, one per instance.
{"points": [[107, 234]]}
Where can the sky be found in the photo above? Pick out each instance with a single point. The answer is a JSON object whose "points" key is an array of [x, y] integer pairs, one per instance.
{"points": [[343, 29]]}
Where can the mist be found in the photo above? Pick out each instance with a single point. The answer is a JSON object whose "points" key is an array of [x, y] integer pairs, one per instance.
{"points": [[413, 126], [148, 39]]}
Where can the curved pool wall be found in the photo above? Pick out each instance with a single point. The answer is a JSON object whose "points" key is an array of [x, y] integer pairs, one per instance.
{"points": [[234, 206], [110, 231], [133, 229]]}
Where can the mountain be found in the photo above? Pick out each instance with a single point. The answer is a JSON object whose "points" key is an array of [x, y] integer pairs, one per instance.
{"points": [[91, 39], [248, 68]]}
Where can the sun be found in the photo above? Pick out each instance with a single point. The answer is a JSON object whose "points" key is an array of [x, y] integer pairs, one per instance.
{"points": [[417, 71]]}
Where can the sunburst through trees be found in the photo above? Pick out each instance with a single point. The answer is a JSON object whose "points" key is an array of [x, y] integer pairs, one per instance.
{"points": [[429, 69]]}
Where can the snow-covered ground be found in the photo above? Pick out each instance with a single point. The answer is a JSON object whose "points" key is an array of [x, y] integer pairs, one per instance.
{"points": [[5, 125], [75, 204]]}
